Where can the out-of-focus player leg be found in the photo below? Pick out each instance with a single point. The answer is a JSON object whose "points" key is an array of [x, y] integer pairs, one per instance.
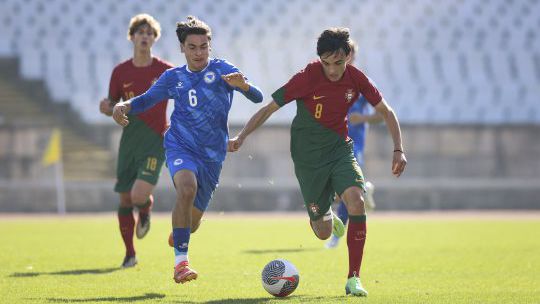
{"points": [[141, 196], [356, 238], [126, 222], [368, 196]]}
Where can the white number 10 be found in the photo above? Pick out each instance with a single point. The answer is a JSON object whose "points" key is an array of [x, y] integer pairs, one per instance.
{"points": [[192, 97]]}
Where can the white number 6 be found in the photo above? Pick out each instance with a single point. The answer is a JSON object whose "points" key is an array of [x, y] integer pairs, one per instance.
{"points": [[192, 97]]}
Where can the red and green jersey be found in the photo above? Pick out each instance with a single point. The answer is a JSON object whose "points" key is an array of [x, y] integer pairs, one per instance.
{"points": [[319, 133], [128, 81]]}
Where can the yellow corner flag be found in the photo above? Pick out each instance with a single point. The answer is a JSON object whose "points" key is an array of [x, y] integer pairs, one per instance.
{"points": [[54, 149]]}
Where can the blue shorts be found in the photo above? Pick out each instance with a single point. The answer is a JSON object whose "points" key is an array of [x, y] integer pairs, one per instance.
{"points": [[207, 173]]}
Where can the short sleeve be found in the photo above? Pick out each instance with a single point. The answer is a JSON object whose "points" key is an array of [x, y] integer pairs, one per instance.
{"points": [[297, 87], [366, 87]]}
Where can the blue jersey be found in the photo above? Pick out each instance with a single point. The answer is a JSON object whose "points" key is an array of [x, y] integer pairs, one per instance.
{"points": [[202, 101], [358, 131]]}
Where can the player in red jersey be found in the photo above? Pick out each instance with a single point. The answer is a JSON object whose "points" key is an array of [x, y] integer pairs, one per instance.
{"points": [[321, 149], [141, 153]]}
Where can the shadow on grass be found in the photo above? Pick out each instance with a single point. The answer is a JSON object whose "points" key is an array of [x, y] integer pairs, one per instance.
{"points": [[147, 296], [284, 250], [64, 272], [303, 299]]}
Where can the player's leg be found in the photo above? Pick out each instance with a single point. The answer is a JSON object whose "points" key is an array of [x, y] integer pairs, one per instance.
{"points": [[356, 238], [370, 189], [323, 221], [125, 177], [186, 189], [141, 196], [196, 216], [126, 222], [318, 196], [148, 172], [347, 179], [368, 196], [322, 227], [343, 215]]}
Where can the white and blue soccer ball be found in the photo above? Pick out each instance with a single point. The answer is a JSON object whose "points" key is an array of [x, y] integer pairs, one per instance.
{"points": [[280, 278]]}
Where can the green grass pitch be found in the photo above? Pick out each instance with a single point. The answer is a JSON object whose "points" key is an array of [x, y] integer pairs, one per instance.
{"points": [[407, 260]]}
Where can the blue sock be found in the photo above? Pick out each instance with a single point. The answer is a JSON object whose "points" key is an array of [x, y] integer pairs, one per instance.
{"points": [[342, 213], [181, 242]]}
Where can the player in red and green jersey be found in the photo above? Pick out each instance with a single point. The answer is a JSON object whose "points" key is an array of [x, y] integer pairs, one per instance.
{"points": [[141, 153], [321, 149]]}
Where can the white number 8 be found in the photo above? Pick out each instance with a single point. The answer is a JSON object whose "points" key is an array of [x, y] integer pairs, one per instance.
{"points": [[192, 97]]}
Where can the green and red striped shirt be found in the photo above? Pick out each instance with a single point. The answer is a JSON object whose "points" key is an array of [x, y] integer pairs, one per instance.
{"points": [[319, 131]]}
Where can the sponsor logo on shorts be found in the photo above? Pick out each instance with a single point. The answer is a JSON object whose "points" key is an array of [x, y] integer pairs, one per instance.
{"points": [[146, 173], [178, 162]]}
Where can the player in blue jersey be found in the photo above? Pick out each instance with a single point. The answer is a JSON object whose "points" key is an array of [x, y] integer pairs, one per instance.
{"points": [[359, 117], [196, 142]]}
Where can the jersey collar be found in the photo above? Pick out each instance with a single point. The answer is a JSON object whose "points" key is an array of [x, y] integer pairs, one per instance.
{"points": [[192, 72]]}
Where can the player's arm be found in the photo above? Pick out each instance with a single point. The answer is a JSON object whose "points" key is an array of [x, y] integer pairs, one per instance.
{"points": [[254, 122], [238, 81], [106, 104], [157, 92], [398, 161]]}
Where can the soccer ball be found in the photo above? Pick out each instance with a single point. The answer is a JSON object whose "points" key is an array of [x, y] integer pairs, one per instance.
{"points": [[280, 278]]}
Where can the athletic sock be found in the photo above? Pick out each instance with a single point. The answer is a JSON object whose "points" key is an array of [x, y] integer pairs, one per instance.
{"points": [[356, 238], [342, 213], [181, 242], [127, 225]]}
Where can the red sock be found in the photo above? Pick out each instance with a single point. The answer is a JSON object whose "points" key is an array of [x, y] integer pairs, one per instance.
{"points": [[147, 207], [356, 238], [127, 226]]}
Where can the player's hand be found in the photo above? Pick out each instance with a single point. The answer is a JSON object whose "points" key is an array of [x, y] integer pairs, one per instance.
{"points": [[120, 111], [105, 107], [235, 144], [398, 163], [236, 80]]}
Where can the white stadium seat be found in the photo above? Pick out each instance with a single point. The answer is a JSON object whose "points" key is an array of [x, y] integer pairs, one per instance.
{"points": [[458, 61]]}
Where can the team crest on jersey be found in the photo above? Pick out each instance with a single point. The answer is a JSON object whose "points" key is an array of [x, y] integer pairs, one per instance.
{"points": [[349, 95], [314, 209], [209, 77], [179, 84]]}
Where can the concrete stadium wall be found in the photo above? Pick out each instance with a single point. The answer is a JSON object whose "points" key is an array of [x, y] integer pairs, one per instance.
{"points": [[450, 167]]}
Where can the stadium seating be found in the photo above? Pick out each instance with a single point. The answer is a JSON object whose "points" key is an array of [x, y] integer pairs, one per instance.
{"points": [[439, 62]]}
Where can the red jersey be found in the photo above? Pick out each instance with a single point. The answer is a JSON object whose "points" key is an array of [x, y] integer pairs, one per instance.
{"points": [[319, 131], [327, 101], [128, 81]]}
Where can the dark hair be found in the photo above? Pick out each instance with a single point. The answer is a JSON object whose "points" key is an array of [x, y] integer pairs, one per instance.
{"points": [[334, 40], [192, 26]]}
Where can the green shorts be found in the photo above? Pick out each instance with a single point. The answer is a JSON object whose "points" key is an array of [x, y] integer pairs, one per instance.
{"points": [[319, 185], [144, 167]]}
